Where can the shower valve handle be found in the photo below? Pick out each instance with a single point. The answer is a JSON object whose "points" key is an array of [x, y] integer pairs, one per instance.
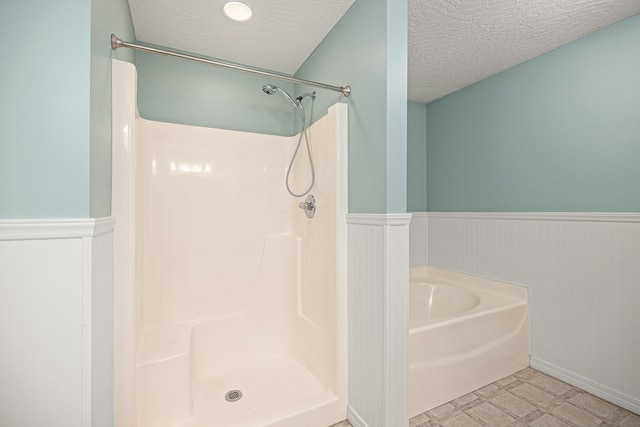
{"points": [[309, 206]]}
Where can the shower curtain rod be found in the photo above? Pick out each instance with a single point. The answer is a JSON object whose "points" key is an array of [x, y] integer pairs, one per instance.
{"points": [[117, 43]]}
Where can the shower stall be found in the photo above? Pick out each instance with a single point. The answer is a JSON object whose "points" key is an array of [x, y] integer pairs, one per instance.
{"points": [[230, 301]]}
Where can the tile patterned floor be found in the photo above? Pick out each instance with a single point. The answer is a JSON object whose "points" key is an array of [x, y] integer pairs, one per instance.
{"points": [[528, 398]]}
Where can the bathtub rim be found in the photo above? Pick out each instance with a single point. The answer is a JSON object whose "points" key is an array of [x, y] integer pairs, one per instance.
{"points": [[512, 289], [438, 291], [494, 295]]}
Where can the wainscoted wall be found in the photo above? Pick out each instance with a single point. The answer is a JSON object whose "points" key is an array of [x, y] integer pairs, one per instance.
{"points": [[56, 323], [583, 275], [418, 253], [378, 319]]}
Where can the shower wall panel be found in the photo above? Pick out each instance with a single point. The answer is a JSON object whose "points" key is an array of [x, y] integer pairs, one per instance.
{"points": [[317, 311], [208, 199]]}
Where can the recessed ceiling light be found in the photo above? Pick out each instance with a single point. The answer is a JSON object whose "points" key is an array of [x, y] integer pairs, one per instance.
{"points": [[237, 11]]}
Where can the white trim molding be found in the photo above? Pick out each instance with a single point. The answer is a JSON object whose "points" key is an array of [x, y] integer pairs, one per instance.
{"points": [[379, 219], [541, 216], [354, 418], [378, 319], [44, 229], [103, 226]]}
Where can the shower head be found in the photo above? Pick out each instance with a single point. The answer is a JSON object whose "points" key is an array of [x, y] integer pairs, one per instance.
{"points": [[271, 89]]}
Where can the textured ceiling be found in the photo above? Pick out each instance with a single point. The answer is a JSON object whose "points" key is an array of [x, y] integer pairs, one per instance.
{"points": [[455, 43], [280, 36], [452, 43]]}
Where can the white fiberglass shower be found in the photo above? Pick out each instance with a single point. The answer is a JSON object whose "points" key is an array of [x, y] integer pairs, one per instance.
{"points": [[230, 302]]}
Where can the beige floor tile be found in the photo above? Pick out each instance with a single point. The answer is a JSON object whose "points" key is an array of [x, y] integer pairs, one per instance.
{"points": [[418, 420], [467, 398], [594, 405], [632, 420], [533, 394], [488, 391], [491, 415], [513, 404], [462, 420], [506, 381], [547, 421], [577, 416], [443, 411], [527, 374], [344, 423], [550, 385]]}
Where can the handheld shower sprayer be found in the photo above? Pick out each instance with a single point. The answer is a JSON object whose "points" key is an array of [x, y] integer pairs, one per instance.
{"points": [[297, 104], [271, 89]]}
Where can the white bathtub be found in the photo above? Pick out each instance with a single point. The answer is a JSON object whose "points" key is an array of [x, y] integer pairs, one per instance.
{"points": [[465, 332]]}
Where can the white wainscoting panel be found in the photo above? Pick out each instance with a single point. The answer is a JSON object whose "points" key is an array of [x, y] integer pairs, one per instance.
{"points": [[378, 319], [583, 275], [56, 362], [418, 240], [102, 325]]}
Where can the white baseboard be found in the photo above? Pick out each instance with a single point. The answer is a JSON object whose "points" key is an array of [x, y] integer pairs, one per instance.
{"points": [[606, 393], [354, 418]]}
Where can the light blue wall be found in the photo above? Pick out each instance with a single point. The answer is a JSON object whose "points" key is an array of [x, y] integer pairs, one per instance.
{"points": [[54, 110], [397, 72], [558, 133], [44, 129], [107, 16], [416, 157], [178, 91], [367, 50]]}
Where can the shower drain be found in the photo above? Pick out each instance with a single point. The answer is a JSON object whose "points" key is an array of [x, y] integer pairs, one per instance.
{"points": [[233, 395]]}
